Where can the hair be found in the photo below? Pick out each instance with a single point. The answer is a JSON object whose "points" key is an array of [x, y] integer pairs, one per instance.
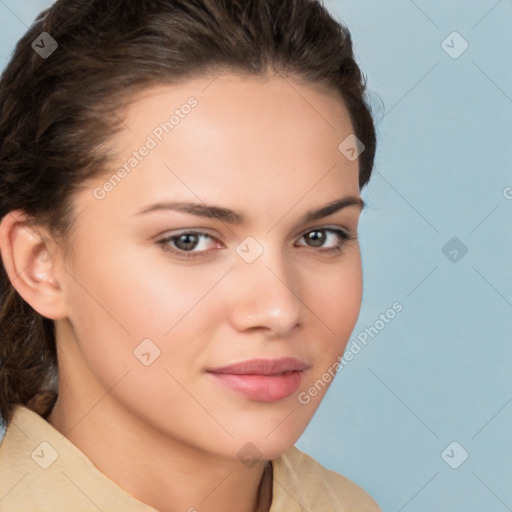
{"points": [[58, 113]]}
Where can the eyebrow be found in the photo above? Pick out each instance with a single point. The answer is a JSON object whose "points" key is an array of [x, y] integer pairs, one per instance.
{"points": [[231, 217]]}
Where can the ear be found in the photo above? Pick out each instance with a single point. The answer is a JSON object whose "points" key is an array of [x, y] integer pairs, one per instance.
{"points": [[29, 255]]}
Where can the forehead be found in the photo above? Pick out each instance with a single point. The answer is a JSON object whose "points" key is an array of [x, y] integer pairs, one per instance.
{"points": [[235, 105], [224, 139]]}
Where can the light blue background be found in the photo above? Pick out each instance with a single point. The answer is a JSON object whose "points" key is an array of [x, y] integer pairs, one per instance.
{"points": [[440, 370]]}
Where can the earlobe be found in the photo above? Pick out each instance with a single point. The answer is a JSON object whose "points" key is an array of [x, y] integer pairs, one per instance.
{"points": [[29, 256]]}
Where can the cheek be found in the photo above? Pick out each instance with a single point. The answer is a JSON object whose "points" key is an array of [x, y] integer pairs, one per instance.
{"points": [[335, 297], [336, 302], [144, 296], [167, 300], [128, 302], [125, 315]]}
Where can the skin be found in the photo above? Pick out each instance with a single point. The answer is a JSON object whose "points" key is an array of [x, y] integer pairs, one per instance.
{"points": [[266, 148]]}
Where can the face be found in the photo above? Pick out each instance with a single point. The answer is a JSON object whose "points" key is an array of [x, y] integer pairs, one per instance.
{"points": [[211, 247]]}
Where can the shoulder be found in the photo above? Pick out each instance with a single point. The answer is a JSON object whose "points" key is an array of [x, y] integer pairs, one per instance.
{"points": [[41, 470], [302, 483], [14, 462]]}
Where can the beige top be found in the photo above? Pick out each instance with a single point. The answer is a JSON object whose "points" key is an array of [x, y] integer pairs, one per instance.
{"points": [[41, 470]]}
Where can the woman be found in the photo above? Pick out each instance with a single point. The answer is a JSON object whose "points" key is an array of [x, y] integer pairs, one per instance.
{"points": [[180, 193]]}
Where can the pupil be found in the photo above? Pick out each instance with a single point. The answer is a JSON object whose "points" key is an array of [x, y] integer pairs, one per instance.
{"points": [[188, 241], [316, 238]]}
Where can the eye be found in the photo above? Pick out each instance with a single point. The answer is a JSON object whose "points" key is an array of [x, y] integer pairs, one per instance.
{"points": [[191, 244], [188, 244], [329, 239]]}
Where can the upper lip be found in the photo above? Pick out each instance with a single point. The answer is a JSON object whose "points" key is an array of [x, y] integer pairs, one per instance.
{"points": [[263, 367]]}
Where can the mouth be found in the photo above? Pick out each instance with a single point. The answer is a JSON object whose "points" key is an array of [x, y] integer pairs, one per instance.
{"points": [[262, 380]]}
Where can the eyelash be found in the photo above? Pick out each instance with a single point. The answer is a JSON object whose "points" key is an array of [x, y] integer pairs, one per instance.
{"points": [[344, 237]]}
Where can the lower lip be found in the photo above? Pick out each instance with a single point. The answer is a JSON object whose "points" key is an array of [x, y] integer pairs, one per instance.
{"points": [[263, 388]]}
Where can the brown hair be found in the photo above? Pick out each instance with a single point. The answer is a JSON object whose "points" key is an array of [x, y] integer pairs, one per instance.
{"points": [[56, 113]]}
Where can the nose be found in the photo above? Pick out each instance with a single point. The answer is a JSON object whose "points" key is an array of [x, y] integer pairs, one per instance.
{"points": [[266, 296]]}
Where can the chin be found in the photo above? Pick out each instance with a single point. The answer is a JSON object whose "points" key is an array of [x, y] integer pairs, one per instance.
{"points": [[269, 444]]}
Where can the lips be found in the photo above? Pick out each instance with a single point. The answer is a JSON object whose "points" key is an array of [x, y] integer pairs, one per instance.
{"points": [[263, 367], [263, 380]]}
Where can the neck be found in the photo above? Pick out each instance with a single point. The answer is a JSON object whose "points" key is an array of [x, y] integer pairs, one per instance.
{"points": [[159, 470]]}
